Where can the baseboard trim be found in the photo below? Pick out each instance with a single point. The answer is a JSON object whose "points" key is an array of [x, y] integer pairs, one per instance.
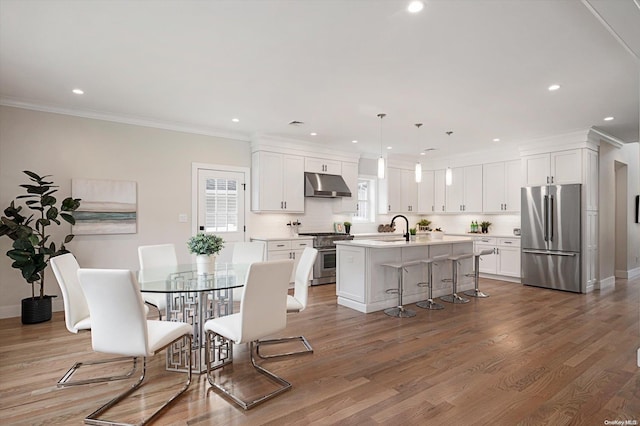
{"points": [[627, 274], [605, 283]]}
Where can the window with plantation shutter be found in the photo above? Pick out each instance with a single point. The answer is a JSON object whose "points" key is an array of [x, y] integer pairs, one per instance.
{"points": [[221, 205]]}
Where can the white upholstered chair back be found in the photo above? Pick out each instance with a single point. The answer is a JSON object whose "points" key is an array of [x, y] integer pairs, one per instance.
{"points": [[303, 274], [76, 311], [263, 309], [118, 319], [157, 256]]}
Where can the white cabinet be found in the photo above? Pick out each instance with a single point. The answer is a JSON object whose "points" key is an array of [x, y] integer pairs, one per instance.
{"points": [[439, 190], [400, 191], [350, 175], [501, 187], [426, 193], [322, 165], [286, 249], [504, 261], [465, 192], [277, 182], [557, 168]]}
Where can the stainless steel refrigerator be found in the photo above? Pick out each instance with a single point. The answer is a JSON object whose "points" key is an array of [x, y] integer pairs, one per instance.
{"points": [[551, 237]]}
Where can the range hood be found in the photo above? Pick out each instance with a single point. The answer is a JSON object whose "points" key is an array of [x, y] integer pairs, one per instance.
{"points": [[327, 186]]}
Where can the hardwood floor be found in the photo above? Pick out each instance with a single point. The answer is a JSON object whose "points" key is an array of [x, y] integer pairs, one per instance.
{"points": [[524, 356]]}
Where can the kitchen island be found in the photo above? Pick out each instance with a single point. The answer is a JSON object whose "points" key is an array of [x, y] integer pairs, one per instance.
{"points": [[362, 282]]}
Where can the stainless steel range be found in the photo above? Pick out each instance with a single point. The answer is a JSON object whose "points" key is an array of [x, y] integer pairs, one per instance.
{"points": [[324, 270]]}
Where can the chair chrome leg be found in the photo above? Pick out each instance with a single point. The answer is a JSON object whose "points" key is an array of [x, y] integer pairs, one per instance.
{"points": [[65, 382], [429, 304], [247, 405], [92, 419], [454, 298], [159, 311], [308, 349], [476, 277]]}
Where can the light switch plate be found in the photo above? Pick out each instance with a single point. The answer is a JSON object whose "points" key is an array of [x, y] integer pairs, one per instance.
{"points": [[182, 218]]}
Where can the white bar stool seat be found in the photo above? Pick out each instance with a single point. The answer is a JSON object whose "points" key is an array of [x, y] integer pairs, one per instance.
{"points": [[399, 311], [429, 303], [453, 297], [476, 273]]}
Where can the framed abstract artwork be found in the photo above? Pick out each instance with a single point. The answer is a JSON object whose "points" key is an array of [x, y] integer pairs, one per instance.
{"points": [[107, 207]]}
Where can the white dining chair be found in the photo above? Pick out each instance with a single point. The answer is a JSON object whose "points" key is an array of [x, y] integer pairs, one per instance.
{"points": [[157, 256], [76, 318], [247, 252], [119, 326], [296, 303], [262, 313]]}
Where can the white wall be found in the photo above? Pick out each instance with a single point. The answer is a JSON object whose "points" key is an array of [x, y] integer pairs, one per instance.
{"points": [[71, 147], [628, 154]]}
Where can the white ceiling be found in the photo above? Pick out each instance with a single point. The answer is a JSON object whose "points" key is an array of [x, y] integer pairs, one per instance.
{"points": [[478, 68]]}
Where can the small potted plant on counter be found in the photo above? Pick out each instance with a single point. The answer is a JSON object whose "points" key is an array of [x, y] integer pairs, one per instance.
{"points": [[423, 225], [347, 227], [32, 240], [412, 233], [485, 226], [205, 247]]}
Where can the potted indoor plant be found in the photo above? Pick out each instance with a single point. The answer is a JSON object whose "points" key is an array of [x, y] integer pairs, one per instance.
{"points": [[423, 225], [347, 227], [205, 247], [485, 226], [32, 241]]}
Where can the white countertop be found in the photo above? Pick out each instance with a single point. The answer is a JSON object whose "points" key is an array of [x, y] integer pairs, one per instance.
{"points": [[487, 235], [299, 237], [419, 242]]}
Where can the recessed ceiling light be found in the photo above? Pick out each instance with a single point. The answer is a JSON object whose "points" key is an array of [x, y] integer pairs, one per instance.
{"points": [[354, 141], [423, 153], [313, 134], [415, 6], [608, 118], [389, 147], [78, 91], [496, 139], [235, 120], [554, 87]]}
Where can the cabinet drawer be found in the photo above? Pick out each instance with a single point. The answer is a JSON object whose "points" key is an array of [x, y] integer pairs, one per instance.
{"points": [[509, 242], [301, 244], [279, 245], [486, 240]]}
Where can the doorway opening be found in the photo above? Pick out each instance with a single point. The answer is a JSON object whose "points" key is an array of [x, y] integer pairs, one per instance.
{"points": [[621, 210]]}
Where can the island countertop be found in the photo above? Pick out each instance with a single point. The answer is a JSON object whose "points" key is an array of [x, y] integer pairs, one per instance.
{"points": [[447, 239]]}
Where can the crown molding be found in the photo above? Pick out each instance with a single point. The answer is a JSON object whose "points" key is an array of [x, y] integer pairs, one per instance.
{"points": [[125, 119]]}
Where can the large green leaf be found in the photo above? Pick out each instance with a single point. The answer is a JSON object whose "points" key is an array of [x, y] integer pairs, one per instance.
{"points": [[48, 200], [68, 218], [68, 238], [33, 175], [52, 213]]}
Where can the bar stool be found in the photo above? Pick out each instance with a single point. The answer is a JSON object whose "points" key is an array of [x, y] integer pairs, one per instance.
{"points": [[455, 260], [476, 273], [429, 303], [399, 311]]}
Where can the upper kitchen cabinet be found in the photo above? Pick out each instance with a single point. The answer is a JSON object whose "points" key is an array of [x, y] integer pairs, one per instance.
{"points": [[277, 182], [426, 200], [398, 192], [556, 168], [501, 187], [439, 190], [350, 176], [465, 192], [322, 165]]}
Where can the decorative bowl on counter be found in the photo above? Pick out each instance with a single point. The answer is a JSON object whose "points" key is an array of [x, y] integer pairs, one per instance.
{"points": [[435, 235]]}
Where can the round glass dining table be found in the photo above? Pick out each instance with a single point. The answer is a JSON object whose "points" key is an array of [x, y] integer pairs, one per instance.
{"points": [[194, 299]]}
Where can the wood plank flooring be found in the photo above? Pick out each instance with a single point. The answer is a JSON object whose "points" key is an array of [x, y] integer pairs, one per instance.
{"points": [[524, 356]]}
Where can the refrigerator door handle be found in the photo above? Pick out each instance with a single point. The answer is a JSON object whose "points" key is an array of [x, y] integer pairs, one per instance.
{"points": [[546, 216], [551, 218], [550, 253]]}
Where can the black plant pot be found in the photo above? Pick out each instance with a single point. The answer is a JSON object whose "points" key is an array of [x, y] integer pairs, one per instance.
{"points": [[347, 229], [36, 310]]}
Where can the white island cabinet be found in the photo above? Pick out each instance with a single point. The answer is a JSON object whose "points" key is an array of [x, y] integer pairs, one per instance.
{"points": [[362, 282]]}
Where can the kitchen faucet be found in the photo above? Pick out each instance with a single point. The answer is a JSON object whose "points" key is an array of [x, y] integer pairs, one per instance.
{"points": [[406, 236]]}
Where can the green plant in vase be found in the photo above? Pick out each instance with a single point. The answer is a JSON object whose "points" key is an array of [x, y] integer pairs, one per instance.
{"points": [[347, 227], [205, 247], [485, 226]]}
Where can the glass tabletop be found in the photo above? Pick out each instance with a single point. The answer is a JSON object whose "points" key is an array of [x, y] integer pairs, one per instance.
{"points": [[183, 278]]}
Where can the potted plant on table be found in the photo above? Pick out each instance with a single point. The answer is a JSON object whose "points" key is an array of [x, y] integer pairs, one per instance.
{"points": [[32, 246], [205, 247]]}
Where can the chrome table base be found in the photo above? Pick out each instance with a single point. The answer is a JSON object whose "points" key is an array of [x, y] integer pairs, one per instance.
{"points": [[400, 312]]}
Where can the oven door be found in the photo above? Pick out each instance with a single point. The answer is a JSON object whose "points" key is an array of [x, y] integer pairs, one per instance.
{"points": [[324, 270]]}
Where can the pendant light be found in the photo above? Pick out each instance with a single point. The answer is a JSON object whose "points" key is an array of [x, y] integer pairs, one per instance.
{"points": [[448, 174], [418, 165], [381, 165]]}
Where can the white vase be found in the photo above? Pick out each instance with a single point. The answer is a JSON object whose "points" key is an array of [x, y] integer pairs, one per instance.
{"points": [[205, 264]]}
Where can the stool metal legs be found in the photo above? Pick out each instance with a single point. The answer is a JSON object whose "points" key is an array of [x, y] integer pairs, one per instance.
{"points": [[454, 298], [429, 303], [399, 311], [476, 277]]}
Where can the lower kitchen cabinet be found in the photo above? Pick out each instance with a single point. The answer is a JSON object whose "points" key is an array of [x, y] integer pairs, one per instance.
{"points": [[505, 260], [279, 249]]}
